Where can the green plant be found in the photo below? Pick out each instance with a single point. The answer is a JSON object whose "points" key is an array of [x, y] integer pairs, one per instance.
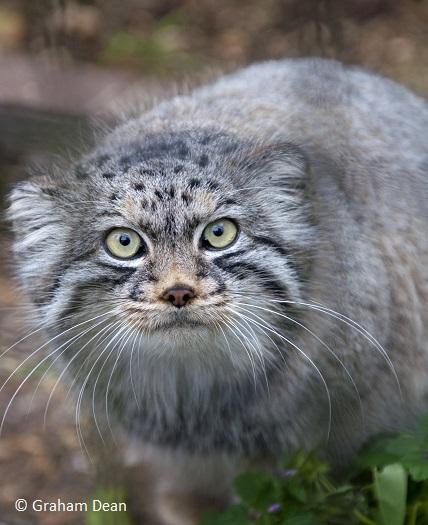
{"points": [[389, 486]]}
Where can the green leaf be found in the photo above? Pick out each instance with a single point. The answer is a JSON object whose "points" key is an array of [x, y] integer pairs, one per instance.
{"points": [[295, 488], [377, 454], [265, 520], [413, 452], [257, 490], [418, 471], [391, 494], [409, 449], [234, 515], [301, 518]]}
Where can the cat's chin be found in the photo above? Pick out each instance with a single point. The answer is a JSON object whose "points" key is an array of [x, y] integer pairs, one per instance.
{"points": [[177, 327], [188, 338], [181, 322], [182, 331]]}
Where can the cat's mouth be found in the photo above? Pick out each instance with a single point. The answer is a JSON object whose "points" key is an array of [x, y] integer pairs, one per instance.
{"points": [[179, 320]]}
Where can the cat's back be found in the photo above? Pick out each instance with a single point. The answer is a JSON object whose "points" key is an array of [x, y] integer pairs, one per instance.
{"points": [[321, 101], [349, 114]]}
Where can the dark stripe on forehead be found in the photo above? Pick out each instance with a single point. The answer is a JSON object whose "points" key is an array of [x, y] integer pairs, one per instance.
{"points": [[159, 195], [244, 270], [148, 172], [169, 225], [108, 213], [213, 185], [203, 161], [187, 198], [227, 202], [171, 192], [194, 183]]}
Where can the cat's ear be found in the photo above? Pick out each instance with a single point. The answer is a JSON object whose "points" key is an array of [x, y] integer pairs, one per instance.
{"points": [[37, 228], [32, 212], [282, 168]]}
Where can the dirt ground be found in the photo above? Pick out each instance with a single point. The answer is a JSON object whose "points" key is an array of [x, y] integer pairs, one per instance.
{"points": [[36, 461]]}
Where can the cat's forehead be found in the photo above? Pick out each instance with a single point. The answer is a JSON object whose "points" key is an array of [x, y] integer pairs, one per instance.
{"points": [[174, 179], [175, 151], [168, 204]]}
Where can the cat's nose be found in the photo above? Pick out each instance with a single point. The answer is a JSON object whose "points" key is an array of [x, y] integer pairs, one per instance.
{"points": [[179, 295]]}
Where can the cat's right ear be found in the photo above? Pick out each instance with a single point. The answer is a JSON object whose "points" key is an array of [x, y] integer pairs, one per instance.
{"points": [[38, 233], [32, 212]]}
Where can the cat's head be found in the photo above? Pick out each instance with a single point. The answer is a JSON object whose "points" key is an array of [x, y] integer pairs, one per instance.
{"points": [[183, 237]]}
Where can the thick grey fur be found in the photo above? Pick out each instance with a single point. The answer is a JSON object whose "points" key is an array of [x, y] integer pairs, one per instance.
{"points": [[325, 169]]}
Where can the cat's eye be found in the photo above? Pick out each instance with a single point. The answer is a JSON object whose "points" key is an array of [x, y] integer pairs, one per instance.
{"points": [[219, 234], [123, 243]]}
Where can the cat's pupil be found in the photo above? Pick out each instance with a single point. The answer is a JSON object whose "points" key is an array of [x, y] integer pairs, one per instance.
{"points": [[218, 230], [124, 239]]}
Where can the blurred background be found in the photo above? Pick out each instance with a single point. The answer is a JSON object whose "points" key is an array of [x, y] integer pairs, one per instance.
{"points": [[64, 62]]}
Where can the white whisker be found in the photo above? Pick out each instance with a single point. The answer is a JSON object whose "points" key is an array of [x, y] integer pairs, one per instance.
{"points": [[356, 326], [269, 327], [324, 345], [63, 372]]}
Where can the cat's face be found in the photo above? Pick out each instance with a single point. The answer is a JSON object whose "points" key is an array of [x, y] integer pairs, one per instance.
{"points": [[171, 239]]}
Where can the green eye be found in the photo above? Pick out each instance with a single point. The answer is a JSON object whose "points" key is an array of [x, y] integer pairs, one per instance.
{"points": [[123, 243], [219, 234]]}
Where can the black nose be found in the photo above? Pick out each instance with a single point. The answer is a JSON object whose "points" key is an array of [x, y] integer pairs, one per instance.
{"points": [[178, 295]]}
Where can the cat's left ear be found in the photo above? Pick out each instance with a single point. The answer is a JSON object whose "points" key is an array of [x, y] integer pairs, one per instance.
{"points": [[282, 168]]}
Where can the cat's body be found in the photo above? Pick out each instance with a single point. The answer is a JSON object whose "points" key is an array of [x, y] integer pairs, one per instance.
{"points": [[324, 169]]}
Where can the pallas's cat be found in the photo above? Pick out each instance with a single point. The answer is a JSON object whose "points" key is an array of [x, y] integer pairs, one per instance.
{"points": [[243, 270]]}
